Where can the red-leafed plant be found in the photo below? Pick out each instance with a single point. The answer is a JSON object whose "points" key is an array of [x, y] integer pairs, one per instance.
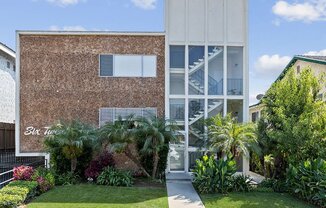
{"points": [[97, 165], [23, 173]]}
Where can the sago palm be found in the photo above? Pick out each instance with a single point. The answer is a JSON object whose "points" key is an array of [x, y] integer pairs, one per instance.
{"points": [[155, 132], [71, 138], [228, 136], [120, 135]]}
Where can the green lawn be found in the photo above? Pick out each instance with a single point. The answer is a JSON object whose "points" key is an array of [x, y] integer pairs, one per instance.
{"points": [[91, 196], [252, 200]]}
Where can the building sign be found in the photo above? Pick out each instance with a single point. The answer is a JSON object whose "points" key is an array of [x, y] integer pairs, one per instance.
{"points": [[32, 131]]}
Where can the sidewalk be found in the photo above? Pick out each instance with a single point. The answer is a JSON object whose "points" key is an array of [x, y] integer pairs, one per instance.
{"points": [[181, 194]]}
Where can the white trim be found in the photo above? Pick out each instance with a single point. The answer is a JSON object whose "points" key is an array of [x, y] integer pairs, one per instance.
{"points": [[6, 50], [40, 32]]}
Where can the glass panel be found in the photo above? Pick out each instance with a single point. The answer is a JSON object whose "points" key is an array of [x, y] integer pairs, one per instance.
{"points": [[235, 71], [215, 70], [127, 66], [196, 70], [106, 65], [177, 111], [177, 84], [235, 107], [149, 66], [193, 156], [215, 106], [177, 161], [177, 57], [196, 122]]}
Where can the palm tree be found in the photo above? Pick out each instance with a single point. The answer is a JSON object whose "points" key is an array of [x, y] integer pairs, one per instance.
{"points": [[228, 136], [156, 133], [70, 137], [120, 135]]}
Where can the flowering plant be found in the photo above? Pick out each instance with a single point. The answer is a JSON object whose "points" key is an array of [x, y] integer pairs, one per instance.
{"points": [[23, 173]]}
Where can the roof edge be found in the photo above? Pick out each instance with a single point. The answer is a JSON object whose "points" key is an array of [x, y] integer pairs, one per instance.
{"points": [[7, 50], [48, 32]]}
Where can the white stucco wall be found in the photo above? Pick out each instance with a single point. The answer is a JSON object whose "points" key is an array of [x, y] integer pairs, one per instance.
{"points": [[7, 89]]}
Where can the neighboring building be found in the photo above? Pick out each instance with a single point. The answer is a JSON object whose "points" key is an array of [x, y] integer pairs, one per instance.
{"points": [[318, 67], [7, 84], [194, 70]]}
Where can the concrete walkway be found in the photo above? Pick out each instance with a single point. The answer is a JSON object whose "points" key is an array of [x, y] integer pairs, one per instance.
{"points": [[181, 194]]}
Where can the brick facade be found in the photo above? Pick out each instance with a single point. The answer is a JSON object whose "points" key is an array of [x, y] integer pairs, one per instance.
{"points": [[59, 79]]}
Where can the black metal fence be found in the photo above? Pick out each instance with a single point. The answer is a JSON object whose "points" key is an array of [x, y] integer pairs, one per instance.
{"points": [[8, 161]]}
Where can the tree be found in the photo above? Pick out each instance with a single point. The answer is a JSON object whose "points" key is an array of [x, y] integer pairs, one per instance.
{"points": [[228, 136], [155, 131], [295, 119], [120, 135], [71, 138]]}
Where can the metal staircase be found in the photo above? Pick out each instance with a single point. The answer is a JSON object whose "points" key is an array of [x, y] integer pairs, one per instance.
{"points": [[196, 75], [197, 115], [201, 62]]}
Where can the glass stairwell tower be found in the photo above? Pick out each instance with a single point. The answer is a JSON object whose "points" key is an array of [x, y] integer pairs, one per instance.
{"points": [[206, 72]]}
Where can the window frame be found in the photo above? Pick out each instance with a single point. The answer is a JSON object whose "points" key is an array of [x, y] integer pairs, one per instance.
{"points": [[113, 70]]}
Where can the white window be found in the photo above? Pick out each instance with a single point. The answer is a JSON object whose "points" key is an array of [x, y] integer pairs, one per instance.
{"points": [[112, 114], [128, 65]]}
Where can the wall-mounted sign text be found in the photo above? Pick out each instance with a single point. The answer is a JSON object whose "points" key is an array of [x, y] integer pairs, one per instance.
{"points": [[32, 131]]}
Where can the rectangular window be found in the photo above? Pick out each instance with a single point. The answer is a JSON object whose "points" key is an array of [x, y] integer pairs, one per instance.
{"points": [[8, 64], [128, 65], [177, 57], [106, 65], [108, 115], [254, 116], [235, 70]]}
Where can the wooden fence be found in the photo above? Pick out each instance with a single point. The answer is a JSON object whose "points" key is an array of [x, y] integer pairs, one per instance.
{"points": [[7, 137]]}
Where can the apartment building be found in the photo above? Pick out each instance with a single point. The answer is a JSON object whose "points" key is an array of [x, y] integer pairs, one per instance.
{"points": [[195, 69]]}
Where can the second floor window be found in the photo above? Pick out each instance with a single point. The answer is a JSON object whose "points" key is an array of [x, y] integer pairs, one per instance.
{"points": [[128, 65]]}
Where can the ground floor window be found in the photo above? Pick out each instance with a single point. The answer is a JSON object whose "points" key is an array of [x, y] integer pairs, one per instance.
{"points": [[112, 114]]}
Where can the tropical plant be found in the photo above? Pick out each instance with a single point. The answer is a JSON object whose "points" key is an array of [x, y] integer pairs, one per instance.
{"points": [[121, 136], [242, 183], [98, 164], [156, 133], [308, 181], [113, 177], [211, 176], [67, 178], [228, 136], [71, 137]]}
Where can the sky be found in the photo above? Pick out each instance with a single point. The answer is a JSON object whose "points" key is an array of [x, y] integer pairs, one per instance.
{"points": [[278, 29]]}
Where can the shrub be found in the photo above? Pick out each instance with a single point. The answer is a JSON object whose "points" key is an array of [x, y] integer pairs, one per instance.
{"points": [[211, 176], [275, 185], [114, 177], [23, 173], [30, 185], [97, 165], [9, 201], [44, 178], [14, 190], [68, 178], [241, 183], [308, 181]]}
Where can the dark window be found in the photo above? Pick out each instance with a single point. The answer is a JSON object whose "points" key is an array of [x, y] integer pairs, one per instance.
{"points": [[254, 116], [177, 57], [14, 67], [8, 64], [298, 69], [106, 65]]}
